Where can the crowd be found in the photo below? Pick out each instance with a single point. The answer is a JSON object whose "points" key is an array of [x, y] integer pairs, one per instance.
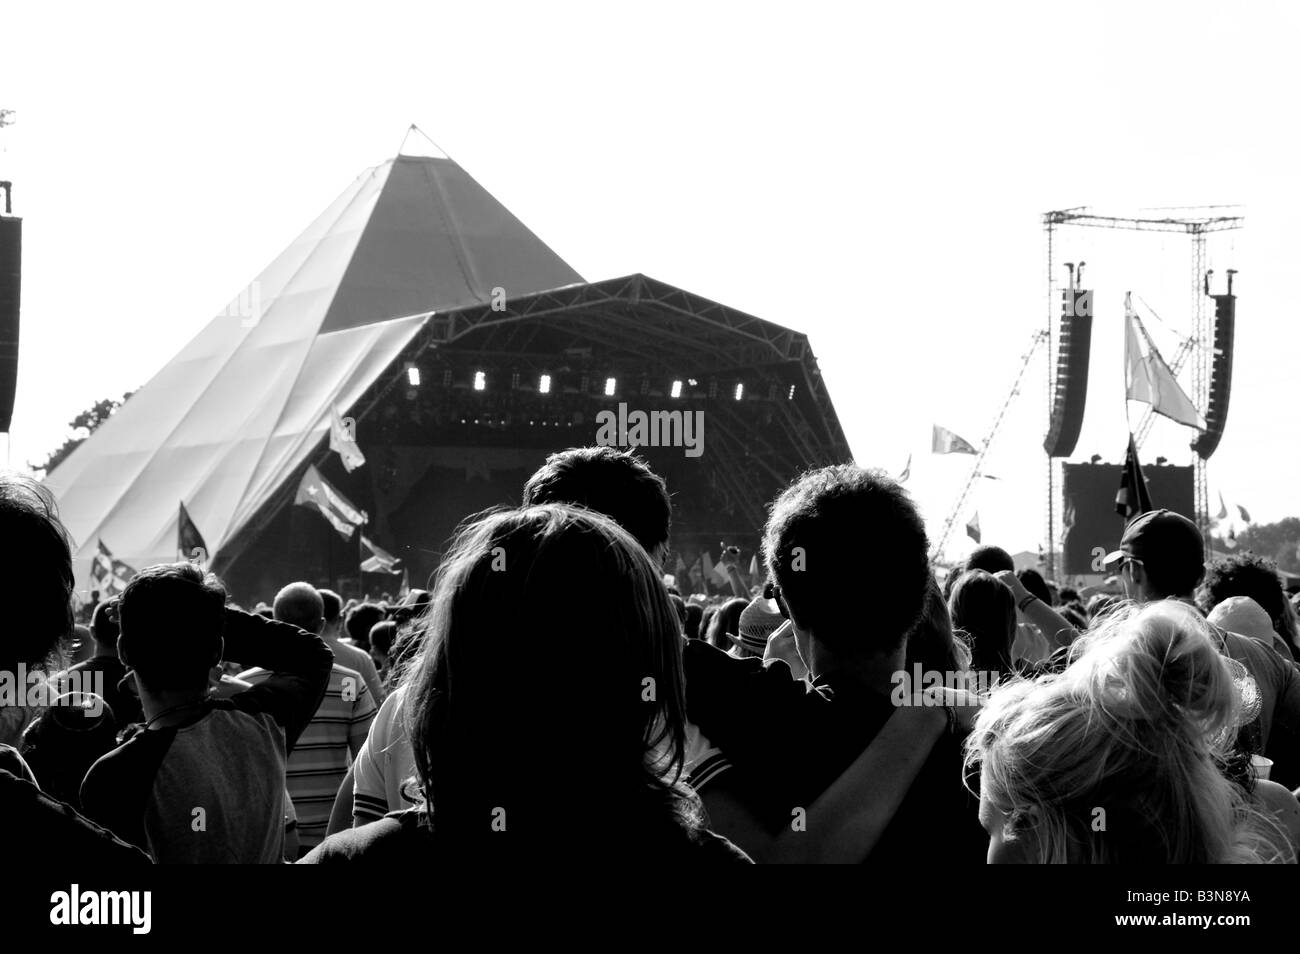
{"points": [[863, 705]]}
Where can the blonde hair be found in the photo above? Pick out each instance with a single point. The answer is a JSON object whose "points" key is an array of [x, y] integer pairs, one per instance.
{"points": [[1118, 758]]}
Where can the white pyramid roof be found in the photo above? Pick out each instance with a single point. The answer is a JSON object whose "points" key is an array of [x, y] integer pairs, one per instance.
{"points": [[238, 412]]}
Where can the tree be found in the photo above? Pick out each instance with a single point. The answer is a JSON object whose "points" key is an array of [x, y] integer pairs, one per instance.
{"points": [[1280, 542], [82, 426]]}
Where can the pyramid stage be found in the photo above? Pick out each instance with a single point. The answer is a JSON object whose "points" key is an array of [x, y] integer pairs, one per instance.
{"points": [[462, 351]]}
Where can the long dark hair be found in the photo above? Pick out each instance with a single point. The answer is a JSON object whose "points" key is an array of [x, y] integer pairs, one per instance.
{"points": [[984, 609], [562, 728]]}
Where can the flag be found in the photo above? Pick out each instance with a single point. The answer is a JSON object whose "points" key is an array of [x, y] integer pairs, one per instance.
{"points": [[406, 587], [973, 527], [1147, 377], [1223, 508], [380, 561], [188, 539], [108, 574], [946, 442], [907, 470], [342, 443], [693, 574], [753, 565], [713, 571], [1245, 516], [1133, 497], [315, 491], [720, 574]]}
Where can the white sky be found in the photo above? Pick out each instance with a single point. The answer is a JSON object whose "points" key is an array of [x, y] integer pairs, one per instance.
{"points": [[872, 176]]}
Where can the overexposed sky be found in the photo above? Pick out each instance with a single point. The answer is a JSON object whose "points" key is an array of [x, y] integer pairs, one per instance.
{"points": [[871, 175]]}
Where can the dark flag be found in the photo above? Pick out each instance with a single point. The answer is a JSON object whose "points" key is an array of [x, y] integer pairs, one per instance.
{"points": [[108, 574], [1133, 497], [188, 539], [316, 491]]}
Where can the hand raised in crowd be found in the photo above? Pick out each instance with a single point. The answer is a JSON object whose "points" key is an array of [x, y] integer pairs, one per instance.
{"points": [[781, 645], [1012, 582]]}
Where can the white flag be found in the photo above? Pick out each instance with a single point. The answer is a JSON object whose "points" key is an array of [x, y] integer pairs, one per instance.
{"points": [[944, 441], [1148, 378], [380, 561], [343, 442]]}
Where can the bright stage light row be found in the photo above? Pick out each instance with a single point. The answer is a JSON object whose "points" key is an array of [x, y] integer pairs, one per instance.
{"points": [[544, 384]]}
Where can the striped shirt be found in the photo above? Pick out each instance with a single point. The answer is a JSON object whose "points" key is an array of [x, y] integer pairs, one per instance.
{"points": [[320, 759]]}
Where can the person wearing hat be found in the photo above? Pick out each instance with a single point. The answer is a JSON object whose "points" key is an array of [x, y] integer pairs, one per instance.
{"points": [[1162, 556], [759, 620], [1241, 614]]}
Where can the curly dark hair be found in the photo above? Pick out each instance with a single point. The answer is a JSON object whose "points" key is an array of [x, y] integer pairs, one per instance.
{"points": [[1246, 574]]}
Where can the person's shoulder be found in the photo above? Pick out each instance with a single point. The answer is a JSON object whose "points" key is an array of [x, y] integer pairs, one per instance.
{"points": [[54, 829], [353, 656], [11, 761], [1256, 656], [711, 848], [393, 835], [388, 717]]}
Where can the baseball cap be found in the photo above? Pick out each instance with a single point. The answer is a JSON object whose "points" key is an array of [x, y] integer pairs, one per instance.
{"points": [[1161, 537]]}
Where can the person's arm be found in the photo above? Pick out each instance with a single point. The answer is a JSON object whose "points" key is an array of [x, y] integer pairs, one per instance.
{"points": [[299, 664], [729, 559], [1050, 623], [781, 645], [846, 821], [363, 713], [371, 675], [341, 813]]}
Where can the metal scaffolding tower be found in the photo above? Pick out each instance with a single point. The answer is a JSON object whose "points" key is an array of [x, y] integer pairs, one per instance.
{"points": [[1197, 222]]}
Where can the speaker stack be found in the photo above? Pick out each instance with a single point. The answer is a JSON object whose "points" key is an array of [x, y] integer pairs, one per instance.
{"points": [[11, 260], [1216, 410], [1073, 347]]}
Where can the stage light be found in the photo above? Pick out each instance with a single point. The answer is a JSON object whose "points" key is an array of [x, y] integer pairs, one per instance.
{"points": [[480, 382], [740, 391], [446, 378], [692, 382], [412, 375], [544, 384], [677, 389], [610, 384], [514, 381], [713, 388], [790, 396], [583, 385]]}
